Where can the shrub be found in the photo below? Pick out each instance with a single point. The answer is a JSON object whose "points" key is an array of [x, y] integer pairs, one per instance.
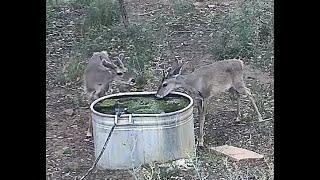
{"points": [[102, 13], [246, 32]]}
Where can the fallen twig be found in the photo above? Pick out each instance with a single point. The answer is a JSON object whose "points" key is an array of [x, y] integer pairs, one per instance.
{"points": [[173, 32], [268, 119], [84, 107]]}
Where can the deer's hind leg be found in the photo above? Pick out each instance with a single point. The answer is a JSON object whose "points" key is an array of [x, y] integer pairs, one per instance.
{"points": [[236, 95], [242, 89], [201, 115]]}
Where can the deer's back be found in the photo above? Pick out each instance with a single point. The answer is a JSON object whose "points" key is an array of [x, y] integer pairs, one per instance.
{"points": [[95, 75], [230, 65], [218, 77]]}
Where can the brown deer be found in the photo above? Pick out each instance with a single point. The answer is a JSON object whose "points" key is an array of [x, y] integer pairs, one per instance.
{"points": [[99, 73], [206, 82]]}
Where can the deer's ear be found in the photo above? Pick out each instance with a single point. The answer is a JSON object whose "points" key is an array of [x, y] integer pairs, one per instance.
{"points": [[108, 64], [118, 61]]}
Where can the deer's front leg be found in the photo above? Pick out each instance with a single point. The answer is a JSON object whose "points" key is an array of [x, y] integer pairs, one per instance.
{"points": [[238, 108], [92, 98], [201, 110], [89, 131], [237, 94]]}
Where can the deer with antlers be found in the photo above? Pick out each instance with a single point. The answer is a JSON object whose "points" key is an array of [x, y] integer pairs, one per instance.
{"points": [[207, 81], [99, 73]]}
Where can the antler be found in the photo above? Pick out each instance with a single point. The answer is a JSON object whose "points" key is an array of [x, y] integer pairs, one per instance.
{"points": [[108, 64], [163, 75], [176, 66], [118, 60]]}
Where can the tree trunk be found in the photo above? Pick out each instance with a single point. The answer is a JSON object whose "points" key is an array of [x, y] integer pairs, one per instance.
{"points": [[124, 14]]}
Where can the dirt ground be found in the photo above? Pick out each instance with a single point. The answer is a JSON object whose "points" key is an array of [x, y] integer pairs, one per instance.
{"points": [[69, 154]]}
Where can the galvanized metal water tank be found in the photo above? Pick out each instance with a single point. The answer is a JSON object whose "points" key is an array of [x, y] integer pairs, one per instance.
{"points": [[143, 138]]}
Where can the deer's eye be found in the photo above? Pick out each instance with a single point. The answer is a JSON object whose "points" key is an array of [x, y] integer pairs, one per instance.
{"points": [[119, 73], [164, 84]]}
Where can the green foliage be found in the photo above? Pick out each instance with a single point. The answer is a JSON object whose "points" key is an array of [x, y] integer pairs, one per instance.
{"points": [[181, 7], [243, 31], [102, 13], [246, 31], [72, 71], [82, 2], [134, 43]]}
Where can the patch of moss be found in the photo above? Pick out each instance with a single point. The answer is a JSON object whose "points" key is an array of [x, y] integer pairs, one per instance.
{"points": [[108, 103]]}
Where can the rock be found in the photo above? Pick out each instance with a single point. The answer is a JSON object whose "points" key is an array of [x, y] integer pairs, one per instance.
{"points": [[199, 4], [73, 166], [68, 112], [66, 151], [236, 153], [211, 5]]}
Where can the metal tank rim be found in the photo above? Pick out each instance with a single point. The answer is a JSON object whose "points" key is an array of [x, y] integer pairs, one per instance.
{"points": [[141, 93]]}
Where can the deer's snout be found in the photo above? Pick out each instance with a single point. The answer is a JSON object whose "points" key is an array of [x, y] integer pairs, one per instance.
{"points": [[159, 96]]}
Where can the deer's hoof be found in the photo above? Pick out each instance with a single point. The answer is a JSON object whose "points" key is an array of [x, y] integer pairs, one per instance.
{"points": [[89, 134], [200, 144]]}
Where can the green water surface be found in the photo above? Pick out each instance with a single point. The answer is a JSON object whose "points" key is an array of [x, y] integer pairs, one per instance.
{"points": [[142, 104]]}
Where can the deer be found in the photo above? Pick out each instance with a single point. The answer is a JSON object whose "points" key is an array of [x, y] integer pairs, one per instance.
{"points": [[99, 73], [206, 82]]}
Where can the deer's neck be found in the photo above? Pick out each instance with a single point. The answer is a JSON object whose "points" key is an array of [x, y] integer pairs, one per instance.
{"points": [[188, 82]]}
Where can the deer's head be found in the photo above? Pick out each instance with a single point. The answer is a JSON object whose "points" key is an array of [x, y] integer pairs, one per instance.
{"points": [[169, 81], [101, 71], [118, 70]]}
